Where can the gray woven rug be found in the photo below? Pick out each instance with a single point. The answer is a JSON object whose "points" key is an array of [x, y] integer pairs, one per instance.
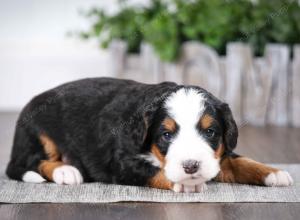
{"points": [[19, 192]]}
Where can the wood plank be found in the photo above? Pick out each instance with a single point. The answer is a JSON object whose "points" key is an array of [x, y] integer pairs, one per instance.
{"points": [[256, 84], [152, 66], [277, 56], [200, 65], [295, 102], [235, 69], [117, 52]]}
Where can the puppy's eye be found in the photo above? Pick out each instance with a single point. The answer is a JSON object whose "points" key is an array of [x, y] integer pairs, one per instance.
{"points": [[209, 133], [167, 136]]}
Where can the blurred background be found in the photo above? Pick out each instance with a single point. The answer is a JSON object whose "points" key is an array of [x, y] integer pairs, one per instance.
{"points": [[246, 52], [36, 52]]}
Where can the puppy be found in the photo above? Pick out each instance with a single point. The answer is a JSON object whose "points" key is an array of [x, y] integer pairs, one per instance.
{"points": [[165, 136]]}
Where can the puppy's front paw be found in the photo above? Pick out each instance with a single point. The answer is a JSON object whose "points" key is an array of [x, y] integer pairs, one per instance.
{"points": [[188, 188], [201, 187], [279, 178], [67, 175], [177, 187]]}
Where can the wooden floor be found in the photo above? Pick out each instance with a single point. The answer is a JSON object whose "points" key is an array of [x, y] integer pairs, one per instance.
{"points": [[270, 145]]}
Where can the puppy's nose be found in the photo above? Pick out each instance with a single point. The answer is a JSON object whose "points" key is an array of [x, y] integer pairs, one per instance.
{"points": [[191, 166]]}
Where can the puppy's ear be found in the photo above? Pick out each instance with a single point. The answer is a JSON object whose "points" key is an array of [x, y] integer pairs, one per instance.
{"points": [[136, 128], [137, 131], [230, 134]]}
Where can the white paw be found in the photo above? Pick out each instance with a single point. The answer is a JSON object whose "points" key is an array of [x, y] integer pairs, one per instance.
{"points": [[279, 178], [32, 177], [178, 187], [188, 188], [201, 187], [67, 175]]}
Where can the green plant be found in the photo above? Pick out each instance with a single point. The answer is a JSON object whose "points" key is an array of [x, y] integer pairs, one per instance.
{"points": [[213, 22]]}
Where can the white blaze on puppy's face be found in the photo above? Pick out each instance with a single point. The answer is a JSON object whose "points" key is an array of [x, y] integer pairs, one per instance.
{"points": [[186, 106]]}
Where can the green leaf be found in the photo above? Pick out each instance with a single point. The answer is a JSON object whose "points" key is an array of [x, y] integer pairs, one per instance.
{"points": [[213, 22]]}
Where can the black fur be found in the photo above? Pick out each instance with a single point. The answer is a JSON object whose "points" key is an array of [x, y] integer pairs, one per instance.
{"points": [[100, 125]]}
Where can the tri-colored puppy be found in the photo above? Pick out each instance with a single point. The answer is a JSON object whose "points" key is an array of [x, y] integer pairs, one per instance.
{"points": [[165, 136]]}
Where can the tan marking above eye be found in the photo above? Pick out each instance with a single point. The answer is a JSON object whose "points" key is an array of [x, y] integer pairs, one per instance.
{"points": [[206, 121], [169, 124]]}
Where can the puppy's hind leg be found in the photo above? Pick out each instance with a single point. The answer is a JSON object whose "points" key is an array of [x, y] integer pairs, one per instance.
{"points": [[60, 173], [54, 168], [26, 154]]}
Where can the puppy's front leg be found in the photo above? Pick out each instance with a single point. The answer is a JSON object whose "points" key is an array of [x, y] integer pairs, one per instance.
{"points": [[161, 182], [238, 169]]}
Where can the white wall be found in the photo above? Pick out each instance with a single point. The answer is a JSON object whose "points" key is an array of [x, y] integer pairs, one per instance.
{"points": [[36, 54]]}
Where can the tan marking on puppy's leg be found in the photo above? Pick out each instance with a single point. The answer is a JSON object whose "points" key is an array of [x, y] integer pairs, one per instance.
{"points": [[226, 173], [244, 170], [206, 121], [156, 152], [46, 168], [160, 181], [50, 148], [53, 168], [220, 151]]}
